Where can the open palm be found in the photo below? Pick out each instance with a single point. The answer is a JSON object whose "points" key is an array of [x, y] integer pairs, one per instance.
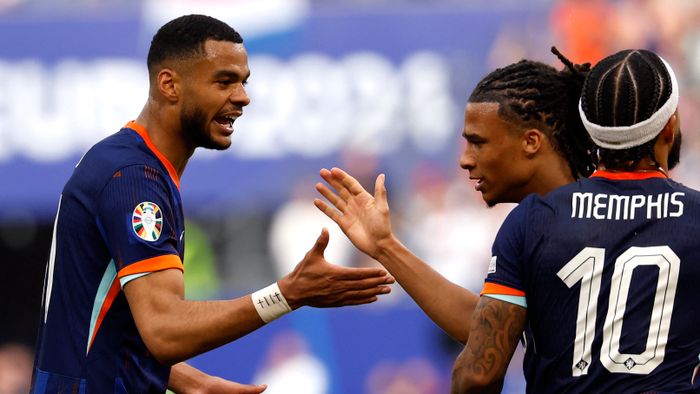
{"points": [[363, 218]]}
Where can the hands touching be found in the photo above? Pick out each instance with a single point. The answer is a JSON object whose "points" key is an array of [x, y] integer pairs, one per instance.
{"points": [[315, 282], [363, 218]]}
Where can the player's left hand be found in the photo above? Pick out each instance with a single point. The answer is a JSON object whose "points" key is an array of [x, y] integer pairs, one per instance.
{"points": [[363, 217]]}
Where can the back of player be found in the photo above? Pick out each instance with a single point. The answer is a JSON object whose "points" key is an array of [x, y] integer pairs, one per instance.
{"points": [[607, 267], [611, 279]]}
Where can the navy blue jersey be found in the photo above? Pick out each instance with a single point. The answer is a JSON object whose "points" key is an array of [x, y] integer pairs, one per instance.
{"points": [[119, 217], [609, 268]]}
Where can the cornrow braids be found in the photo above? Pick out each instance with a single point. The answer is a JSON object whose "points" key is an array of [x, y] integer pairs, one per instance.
{"points": [[533, 94], [622, 90]]}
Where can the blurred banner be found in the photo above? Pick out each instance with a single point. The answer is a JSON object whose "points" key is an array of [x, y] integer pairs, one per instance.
{"points": [[328, 85]]}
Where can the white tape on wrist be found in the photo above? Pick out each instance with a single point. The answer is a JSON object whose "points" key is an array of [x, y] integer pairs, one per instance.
{"points": [[270, 303]]}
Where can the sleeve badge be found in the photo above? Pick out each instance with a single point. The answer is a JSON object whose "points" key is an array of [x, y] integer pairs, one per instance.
{"points": [[147, 221]]}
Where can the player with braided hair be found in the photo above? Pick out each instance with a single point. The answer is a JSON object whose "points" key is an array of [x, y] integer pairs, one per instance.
{"points": [[640, 95], [527, 103], [520, 122], [602, 272]]}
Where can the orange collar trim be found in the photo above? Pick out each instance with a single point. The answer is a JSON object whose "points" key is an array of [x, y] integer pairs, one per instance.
{"points": [[627, 175], [144, 134]]}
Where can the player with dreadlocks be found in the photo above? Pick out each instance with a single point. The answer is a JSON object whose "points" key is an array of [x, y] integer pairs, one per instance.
{"points": [[602, 272], [523, 136]]}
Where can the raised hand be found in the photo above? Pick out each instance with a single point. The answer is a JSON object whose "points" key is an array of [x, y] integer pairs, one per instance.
{"points": [[364, 218], [315, 282]]}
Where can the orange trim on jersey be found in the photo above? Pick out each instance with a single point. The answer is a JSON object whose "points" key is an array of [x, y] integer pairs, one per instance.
{"points": [[111, 295], [153, 264], [495, 288], [627, 175], [144, 134]]}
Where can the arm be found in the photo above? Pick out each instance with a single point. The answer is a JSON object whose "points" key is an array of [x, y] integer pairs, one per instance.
{"points": [[366, 221], [496, 328], [187, 379], [175, 329]]}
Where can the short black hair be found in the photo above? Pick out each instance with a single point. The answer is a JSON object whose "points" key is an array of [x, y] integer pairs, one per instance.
{"points": [[184, 37], [535, 94], [622, 90]]}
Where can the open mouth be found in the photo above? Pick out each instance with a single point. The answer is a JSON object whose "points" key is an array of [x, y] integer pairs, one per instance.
{"points": [[477, 182], [226, 122]]}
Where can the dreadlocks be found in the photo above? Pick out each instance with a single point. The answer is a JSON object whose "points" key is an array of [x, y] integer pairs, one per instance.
{"points": [[623, 90], [533, 94]]}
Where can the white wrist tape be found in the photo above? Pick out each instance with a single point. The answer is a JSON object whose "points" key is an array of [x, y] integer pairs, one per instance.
{"points": [[270, 303]]}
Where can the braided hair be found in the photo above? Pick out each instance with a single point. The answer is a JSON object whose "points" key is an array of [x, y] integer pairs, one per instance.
{"points": [[624, 89], [533, 94]]}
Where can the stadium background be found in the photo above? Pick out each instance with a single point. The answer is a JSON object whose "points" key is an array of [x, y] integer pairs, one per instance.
{"points": [[369, 85]]}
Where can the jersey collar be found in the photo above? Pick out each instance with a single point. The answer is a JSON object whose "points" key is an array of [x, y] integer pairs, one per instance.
{"points": [[628, 175], [144, 135]]}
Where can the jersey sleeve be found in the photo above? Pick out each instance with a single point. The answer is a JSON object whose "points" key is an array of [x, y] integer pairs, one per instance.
{"points": [[504, 280], [138, 223]]}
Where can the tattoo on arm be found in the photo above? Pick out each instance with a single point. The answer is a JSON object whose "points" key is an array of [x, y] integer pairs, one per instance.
{"points": [[496, 328]]}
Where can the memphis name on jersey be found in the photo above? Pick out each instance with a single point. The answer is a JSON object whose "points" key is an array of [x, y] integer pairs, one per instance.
{"points": [[603, 206]]}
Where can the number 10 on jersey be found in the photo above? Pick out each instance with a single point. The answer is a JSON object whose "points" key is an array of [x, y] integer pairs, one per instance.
{"points": [[587, 267]]}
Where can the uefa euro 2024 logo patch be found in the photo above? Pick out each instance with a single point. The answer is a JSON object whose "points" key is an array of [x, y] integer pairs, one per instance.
{"points": [[147, 221]]}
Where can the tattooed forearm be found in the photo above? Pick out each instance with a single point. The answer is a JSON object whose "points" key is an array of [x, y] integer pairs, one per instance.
{"points": [[495, 329]]}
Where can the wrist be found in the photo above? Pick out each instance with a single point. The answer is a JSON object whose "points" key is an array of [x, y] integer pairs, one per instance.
{"points": [[270, 303], [287, 288], [386, 246]]}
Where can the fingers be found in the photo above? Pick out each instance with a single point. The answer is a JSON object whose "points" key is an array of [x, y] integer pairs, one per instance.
{"points": [[357, 297], [330, 196], [380, 193], [348, 181], [351, 273], [335, 184], [333, 214], [252, 389], [321, 243]]}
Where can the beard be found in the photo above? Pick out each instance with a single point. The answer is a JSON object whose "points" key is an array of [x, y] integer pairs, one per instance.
{"points": [[674, 155], [193, 123]]}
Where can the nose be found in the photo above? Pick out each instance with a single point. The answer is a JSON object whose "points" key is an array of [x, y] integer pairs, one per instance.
{"points": [[240, 96], [466, 160]]}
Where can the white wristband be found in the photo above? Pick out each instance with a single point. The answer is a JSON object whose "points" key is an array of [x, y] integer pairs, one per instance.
{"points": [[270, 303]]}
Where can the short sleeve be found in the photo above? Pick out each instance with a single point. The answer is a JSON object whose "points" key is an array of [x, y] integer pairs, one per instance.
{"points": [[138, 223], [504, 279]]}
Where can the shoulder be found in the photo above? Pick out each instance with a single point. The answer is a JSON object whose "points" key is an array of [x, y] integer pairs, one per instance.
{"points": [[116, 152], [120, 155], [122, 149]]}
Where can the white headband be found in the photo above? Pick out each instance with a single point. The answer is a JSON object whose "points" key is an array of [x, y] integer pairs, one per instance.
{"points": [[623, 137]]}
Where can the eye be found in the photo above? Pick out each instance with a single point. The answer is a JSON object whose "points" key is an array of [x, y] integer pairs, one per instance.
{"points": [[475, 141]]}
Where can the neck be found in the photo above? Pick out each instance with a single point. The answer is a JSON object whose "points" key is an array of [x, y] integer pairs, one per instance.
{"points": [[644, 165], [164, 131], [553, 173]]}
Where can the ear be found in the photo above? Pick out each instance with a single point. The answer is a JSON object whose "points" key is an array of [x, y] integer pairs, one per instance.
{"points": [[532, 141], [168, 84], [669, 131]]}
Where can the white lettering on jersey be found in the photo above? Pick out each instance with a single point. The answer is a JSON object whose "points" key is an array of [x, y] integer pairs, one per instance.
{"points": [[615, 207]]}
